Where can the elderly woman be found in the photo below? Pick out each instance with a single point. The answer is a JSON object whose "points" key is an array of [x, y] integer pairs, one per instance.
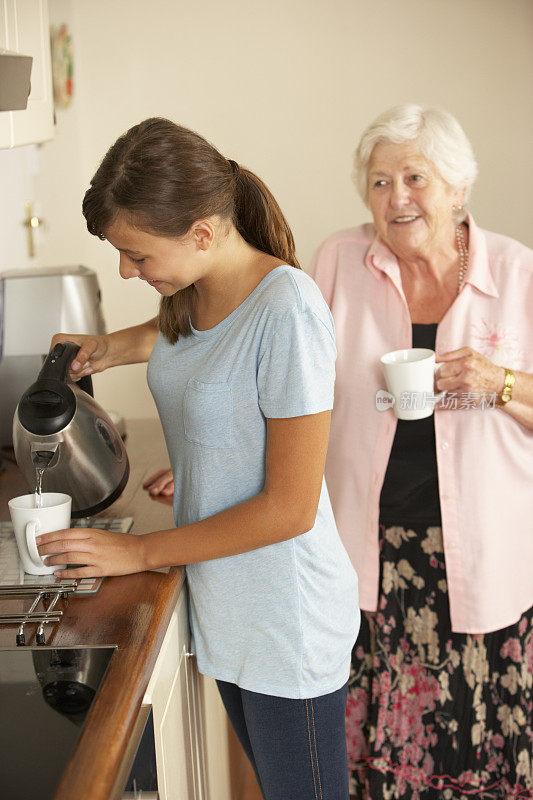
{"points": [[436, 513]]}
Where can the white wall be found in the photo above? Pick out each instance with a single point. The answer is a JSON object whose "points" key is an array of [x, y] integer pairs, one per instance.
{"points": [[285, 88]]}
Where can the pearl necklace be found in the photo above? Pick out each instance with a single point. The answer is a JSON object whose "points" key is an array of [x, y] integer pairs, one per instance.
{"points": [[463, 255]]}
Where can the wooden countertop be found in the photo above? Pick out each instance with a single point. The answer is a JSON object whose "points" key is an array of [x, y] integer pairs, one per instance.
{"points": [[130, 611]]}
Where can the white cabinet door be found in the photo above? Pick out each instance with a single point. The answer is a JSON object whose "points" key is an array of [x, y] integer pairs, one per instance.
{"points": [[214, 725], [174, 746], [190, 722], [24, 28], [198, 742], [172, 694]]}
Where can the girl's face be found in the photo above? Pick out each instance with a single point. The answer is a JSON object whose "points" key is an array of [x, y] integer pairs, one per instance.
{"points": [[164, 263]]}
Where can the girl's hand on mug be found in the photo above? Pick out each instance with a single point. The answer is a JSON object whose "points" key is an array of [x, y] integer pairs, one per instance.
{"points": [[467, 371], [162, 483], [101, 552], [91, 356]]}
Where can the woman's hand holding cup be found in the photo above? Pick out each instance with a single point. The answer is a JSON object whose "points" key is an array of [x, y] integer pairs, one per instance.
{"points": [[465, 370]]}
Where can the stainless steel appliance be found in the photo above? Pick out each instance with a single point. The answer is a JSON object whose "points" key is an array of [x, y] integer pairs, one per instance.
{"points": [[35, 304], [60, 430]]}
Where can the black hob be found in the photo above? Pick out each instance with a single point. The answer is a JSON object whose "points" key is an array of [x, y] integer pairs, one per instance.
{"points": [[45, 696]]}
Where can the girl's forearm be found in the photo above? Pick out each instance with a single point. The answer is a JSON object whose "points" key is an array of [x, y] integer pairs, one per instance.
{"points": [[255, 523], [132, 345]]}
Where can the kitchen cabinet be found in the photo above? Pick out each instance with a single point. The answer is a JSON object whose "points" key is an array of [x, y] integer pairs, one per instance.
{"points": [[190, 723], [24, 28], [173, 694], [223, 753]]}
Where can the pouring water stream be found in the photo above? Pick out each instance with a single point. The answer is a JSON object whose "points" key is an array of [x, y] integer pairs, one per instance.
{"points": [[39, 487]]}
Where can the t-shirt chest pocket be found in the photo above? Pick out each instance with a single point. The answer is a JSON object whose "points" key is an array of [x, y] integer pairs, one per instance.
{"points": [[208, 414]]}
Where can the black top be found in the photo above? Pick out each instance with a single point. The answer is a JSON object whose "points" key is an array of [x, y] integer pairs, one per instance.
{"points": [[45, 697], [410, 493]]}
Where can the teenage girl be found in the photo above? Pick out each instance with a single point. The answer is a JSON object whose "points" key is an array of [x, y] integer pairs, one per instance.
{"points": [[241, 366]]}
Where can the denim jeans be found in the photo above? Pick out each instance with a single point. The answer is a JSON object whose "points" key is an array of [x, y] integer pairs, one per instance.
{"points": [[296, 747]]}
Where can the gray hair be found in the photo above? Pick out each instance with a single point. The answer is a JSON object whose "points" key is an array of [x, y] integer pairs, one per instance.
{"points": [[441, 138]]}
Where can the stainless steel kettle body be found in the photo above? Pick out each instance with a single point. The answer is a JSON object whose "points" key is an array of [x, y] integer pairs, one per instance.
{"points": [[60, 429]]}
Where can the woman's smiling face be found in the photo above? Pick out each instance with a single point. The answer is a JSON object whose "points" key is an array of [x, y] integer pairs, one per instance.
{"points": [[410, 202]]}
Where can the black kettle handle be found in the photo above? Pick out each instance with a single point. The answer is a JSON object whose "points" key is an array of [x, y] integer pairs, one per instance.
{"points": [[57, 364], [58, 360]]}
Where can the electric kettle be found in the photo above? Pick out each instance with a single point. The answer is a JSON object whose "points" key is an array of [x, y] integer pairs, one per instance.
{"points": [[61, 432]]}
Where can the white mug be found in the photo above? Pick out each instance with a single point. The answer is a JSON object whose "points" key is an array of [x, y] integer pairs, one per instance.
{"points": [[410, 377], [30, 521]]}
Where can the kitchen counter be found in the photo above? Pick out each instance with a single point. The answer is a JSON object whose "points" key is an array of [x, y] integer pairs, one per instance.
{"points": [[131, 611]]}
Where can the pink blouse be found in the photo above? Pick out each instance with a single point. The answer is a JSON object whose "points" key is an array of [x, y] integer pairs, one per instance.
{"points": [[484, 457]]}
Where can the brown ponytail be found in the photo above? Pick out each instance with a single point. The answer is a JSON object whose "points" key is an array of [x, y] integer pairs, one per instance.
{"points": [[259, 219], [161, 177]]}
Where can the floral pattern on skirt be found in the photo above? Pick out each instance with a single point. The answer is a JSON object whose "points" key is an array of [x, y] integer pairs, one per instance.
{"points": [[431, 714]]}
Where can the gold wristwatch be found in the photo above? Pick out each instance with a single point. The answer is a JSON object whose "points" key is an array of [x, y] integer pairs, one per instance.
{"points": [[507, 391]]}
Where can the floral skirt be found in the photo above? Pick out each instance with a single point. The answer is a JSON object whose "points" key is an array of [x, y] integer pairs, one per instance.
{"points": [[431, 714]]}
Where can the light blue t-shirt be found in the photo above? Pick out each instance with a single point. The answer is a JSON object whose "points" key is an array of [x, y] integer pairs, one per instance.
{"points": [[282, 619]]}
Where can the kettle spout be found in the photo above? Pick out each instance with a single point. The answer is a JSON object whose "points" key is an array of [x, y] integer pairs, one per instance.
{"points": [[43, 454]]}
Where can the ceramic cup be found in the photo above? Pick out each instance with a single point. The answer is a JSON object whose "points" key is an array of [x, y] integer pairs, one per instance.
{"points": [[30, 521], [410, 377]]}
